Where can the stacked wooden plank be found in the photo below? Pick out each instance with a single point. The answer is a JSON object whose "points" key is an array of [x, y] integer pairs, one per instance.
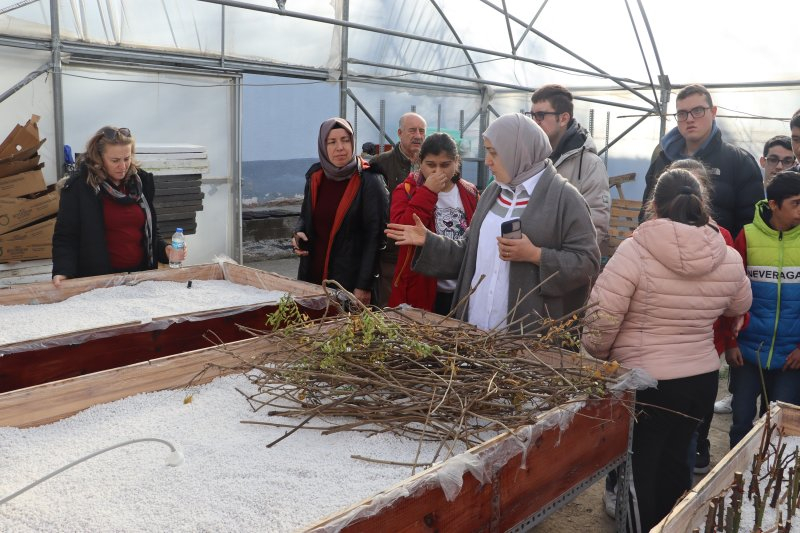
{"points": [[178, 170], [20, 272], [624, 213], [27, 205]]}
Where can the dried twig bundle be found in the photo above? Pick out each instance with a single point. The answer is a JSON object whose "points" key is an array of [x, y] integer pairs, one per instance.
{"points": [[434, 379]]}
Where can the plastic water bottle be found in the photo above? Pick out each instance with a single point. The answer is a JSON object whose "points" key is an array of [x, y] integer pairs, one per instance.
{"points": [[178, 242]]}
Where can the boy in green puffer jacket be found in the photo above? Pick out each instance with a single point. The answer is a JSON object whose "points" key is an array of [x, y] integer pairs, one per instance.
{"points": [[770, 248]]}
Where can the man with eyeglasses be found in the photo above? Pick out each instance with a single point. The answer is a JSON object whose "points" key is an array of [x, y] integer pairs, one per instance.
{"points": [[794, 126], [574, 154], [736, 183], [777, 156]]}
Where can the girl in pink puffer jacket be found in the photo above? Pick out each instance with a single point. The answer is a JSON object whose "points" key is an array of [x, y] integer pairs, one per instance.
{"points": [[655, 304]]}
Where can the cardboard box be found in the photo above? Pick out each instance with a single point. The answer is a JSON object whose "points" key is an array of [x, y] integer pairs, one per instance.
{"points": [[21, 138], [11, 166], [24, 252], [18, 212], [40, 233], [22, 184], [22, 155]]}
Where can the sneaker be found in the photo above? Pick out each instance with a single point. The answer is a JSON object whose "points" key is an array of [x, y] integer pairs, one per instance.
{"points": [[702, 463], [723, 407], [610, 503]]}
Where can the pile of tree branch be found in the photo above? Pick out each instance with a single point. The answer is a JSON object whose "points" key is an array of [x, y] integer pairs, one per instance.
{"points": [[419, 375]]}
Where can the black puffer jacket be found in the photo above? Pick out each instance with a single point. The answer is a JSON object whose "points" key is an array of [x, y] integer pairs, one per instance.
{"points": [[356, 245], [79, 239], [736, 183]]}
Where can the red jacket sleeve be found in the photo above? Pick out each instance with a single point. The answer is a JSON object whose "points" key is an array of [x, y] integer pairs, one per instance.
{"points": [[740, 245], [413, 200], [723, 327]]}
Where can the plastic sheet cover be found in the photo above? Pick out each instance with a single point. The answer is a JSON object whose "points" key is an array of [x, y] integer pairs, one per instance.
{"points": [[483, 463]]}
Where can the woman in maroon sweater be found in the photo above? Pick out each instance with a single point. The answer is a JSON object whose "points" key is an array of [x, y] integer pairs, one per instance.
{"points": [[106, 222], [340, 229], [443, 202]]}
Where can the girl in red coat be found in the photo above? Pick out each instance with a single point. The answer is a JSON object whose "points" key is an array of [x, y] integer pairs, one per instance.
{"points": [[444, 203]]}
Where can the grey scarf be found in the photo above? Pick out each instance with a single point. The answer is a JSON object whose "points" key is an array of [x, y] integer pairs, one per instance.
{"points": [[332, 171], [521, 145]]}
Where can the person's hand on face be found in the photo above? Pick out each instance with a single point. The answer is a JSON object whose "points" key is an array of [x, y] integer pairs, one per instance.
{"points": [[437, 181], [438, 171]]}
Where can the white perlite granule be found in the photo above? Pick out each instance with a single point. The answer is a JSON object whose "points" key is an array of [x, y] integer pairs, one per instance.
{"points": [[230, 480], [123, 304]]}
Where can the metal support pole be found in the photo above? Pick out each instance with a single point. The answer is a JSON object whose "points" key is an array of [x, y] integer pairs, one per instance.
{"points": [[58, 91], [623, 134], [236, 182], [608, 136], [382, 118], [222, 39], [461, 127], [343, 61], [441, 42], [468, 123], [369, 116], [484, 123], [25, 81], [355, 128], [591, 122], [439, 117], [413, 108], [666, 87]]}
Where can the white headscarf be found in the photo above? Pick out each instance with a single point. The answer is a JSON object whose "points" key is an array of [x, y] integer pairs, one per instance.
{"points": [[522, 146]]}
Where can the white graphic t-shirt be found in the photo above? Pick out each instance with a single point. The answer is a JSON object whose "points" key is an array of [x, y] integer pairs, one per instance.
{"points": [[451, 221]]}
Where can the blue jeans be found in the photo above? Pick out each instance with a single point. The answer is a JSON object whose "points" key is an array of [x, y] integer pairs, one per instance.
{"points": [[781, 385]]}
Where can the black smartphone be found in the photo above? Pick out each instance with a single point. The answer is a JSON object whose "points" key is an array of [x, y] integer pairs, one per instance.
{"points": [[511, 229]]}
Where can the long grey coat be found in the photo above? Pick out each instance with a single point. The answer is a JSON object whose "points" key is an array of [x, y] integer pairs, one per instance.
{"points": [[557, 220]]}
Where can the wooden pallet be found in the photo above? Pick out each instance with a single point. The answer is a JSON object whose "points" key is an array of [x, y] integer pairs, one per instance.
{"points": [[21, 272], [624, 213]]}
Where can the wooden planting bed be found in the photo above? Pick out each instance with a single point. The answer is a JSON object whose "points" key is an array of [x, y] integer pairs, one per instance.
{"points": [[27, 364], [693, 506], [563, 454]]}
